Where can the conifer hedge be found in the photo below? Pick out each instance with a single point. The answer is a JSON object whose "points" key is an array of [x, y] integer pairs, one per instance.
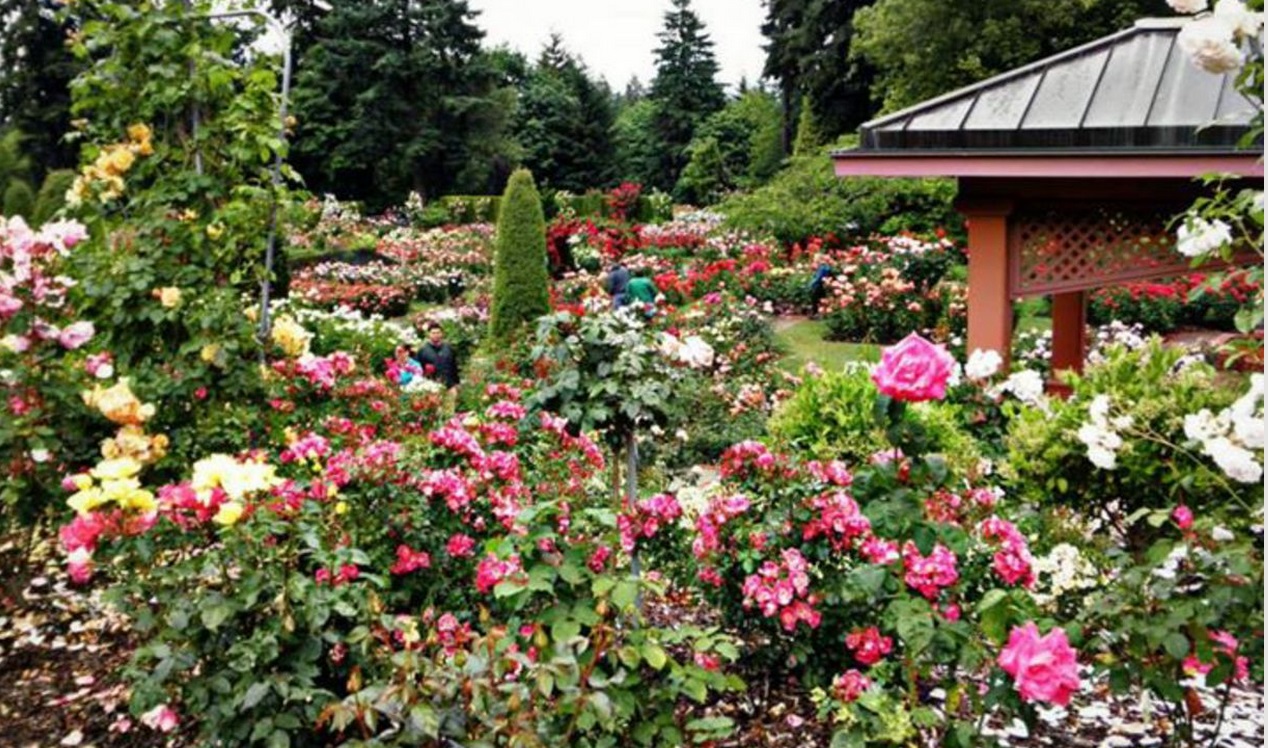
{"points": [[520, 278]]}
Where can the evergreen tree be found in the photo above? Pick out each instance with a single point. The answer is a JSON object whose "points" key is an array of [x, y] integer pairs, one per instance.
{"points": [[564, 123], [637, 147], [739, 147], [395, 96], [35, 82], [809, 138], [808, 54], [685, 91], [521, 282]]}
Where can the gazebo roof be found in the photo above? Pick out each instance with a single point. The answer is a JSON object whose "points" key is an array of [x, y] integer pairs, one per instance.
{"points": [[1132, 93]]}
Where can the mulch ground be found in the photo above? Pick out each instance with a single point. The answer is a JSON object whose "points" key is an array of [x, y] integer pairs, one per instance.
{"points": [[62, 649]]}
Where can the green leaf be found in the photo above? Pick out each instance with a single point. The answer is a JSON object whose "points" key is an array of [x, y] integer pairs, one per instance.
{"points": [[216, 614], [255, 694], [1176, 644], [629, 656], [655, 656], [564, 630], [696, 690], [570, 574], [624, 594]]}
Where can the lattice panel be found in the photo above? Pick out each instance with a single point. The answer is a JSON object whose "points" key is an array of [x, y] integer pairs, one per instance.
{"points": [[1083, 248]]}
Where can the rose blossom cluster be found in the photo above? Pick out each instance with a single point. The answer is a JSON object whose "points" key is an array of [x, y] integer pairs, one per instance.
{"points": [[1225, 645], [1234, 439], [1100, 433], [782, 589], [491, 570], [710, 522], [838, 518], [648, 517], [739, 459], [868, 645], [27, 282], [1212, 41], [1012, 562], [929, 574]]}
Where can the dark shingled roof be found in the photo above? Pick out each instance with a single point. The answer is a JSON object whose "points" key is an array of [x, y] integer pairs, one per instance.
{"points": [[1132, 92]]}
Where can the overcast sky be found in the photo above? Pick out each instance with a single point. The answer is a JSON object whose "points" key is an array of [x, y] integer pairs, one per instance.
{"points": [[617, 38]]}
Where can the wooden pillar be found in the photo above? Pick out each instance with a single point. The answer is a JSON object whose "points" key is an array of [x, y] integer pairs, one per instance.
{"points": [[1069, 324], [990, 304]]}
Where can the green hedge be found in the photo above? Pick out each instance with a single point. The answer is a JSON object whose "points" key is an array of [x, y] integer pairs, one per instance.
{"points": [[521, 283], [464, 209]]}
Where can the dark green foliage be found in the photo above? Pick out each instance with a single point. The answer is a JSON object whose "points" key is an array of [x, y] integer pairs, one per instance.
{"points": [[637, 148], [392, 97], [35, 84], [808, 55], [808, 199], [685, 91], [19, 199], [739, 147], [520, 279], [564, 123], [809, 139], [52, 195], [961, 43]]}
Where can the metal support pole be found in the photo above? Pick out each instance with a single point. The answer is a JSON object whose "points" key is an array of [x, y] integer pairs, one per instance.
{"points": [[267, 280], [631, 498]]}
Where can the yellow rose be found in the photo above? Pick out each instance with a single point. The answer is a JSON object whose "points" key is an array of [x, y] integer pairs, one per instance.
{"points": [[82, 481], [116, 161], [138, 500], [215, 230], [139, 132], [168, 296], [132, 442], [211, 354], [291, 337], [229, 514], [86, 500], [120, 468], [118, 404], [341, 507]]}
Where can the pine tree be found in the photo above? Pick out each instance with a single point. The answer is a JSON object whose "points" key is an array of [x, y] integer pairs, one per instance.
{"points": [[521, 282], [35, 81], [809, 138], [394, 96], [685, 91], [808, 53], [564, 123]]}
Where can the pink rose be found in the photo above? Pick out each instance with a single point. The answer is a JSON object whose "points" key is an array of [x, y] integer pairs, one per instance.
{"points": [[1183, 517], [161, 718], [914, 370], [75, 335], [1044, 668]]}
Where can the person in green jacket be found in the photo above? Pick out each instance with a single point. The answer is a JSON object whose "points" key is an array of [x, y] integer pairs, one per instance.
{"points": [[642, 291]]}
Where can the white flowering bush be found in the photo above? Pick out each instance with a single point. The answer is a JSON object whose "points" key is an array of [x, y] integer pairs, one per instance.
{"points": [[1137, 433]]}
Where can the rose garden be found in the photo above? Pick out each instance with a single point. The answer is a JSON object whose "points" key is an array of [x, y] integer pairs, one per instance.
{"points": [[750, 512]]}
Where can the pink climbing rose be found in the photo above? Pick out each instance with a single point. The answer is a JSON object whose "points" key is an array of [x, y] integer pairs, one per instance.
{"points": [[914, 370], [1044, 668]]}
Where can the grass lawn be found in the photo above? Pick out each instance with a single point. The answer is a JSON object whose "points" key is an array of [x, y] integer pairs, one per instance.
{"points": [[803, 340]]}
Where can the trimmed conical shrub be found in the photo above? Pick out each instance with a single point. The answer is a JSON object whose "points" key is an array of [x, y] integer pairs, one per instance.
{"points": [[521, 283]]}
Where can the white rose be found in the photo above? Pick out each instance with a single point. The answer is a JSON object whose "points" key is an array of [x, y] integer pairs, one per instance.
{"points": [[1209, 44], [1221, 534], [1242, 21], [40, 455], [1026, 385], [1198, 237], [1188, 7], [983, 364], [1236, 462]]}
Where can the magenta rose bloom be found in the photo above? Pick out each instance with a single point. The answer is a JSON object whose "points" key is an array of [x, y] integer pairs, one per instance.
{"points": [[914, 370], [1044, 668]]}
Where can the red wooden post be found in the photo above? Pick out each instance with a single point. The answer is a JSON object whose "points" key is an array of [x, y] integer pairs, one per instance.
{"points": [[1069, 328], [990, 305]]}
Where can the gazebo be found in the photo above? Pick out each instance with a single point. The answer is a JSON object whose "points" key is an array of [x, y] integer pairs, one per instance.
{"points": [[1070, 170]]}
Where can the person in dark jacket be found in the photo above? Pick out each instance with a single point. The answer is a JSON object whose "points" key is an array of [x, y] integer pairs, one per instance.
{"points": [[437, 358], [818, 286], [617, 283]]}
